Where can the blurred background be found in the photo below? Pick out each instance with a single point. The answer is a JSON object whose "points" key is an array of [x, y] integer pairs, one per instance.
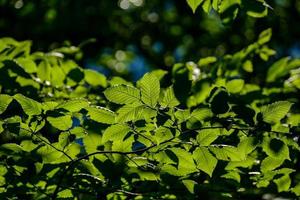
{"points": [[131, 37]]}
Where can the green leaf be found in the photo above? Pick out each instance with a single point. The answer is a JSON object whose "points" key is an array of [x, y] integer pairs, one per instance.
{"points": [[101, 115], [169, 99], [79, 132], [206, 61], [49, 154], [57, 76], [134, 112], [44, 71], [190, 185], [265, 36], [49, 105], [235, 85], [150, 89], [185, 160], [227, 153], [234, 175], [123, 146], [233, 165], [275, 148], [247, 145], [94, 78], [27, 64], [207, 136], [4, 102], [74, 105], [283, 183], [202, 114], [162, 134], [62, 123], [274, 112], [1, 127], [296, 189], [248, 66], [65, 194], [194, 4], [115, 132], [182, 115], [205, 160], [91, 142], [122, 94], [116, 80], [278, 69], [270, 163], [30, 106]]}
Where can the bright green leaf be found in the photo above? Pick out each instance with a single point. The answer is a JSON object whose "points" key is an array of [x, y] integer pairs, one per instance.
{"points": [[190, 185], [227, 153], [74, 105], [115, 132], [205, 160], [283, 183], [270, 163], [101, 115], [169, 99], [275, 148], [4, 102], [134, 112], [30, 106], [194, 4], [206, 136], [94, 78], [27, 64], [122, 94], [274, 112], [61, 122], [235, 85], [185, 160], [150, 89]]}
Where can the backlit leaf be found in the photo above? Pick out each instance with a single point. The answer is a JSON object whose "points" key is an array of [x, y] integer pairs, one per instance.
{"points": [[4, 102], [73, 105], [274, 112], [62, 122], [115, 132], [30, 106], [94, 78], [150, 89], [205, 160], [101, 115], [122, 94], [194, 4]]}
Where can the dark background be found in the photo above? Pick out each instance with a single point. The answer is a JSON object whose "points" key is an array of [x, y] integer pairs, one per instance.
{"points": [[134, 36]]}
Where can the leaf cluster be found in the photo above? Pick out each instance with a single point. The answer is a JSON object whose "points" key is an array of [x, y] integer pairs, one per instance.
{"points": [[200, 130]]}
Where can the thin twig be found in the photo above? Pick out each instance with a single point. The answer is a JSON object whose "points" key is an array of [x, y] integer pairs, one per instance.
{"points": [[72, 163], [41, 139]]}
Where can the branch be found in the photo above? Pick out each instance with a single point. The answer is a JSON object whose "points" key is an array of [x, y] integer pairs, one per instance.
{"points": [[74, 162], [46, 142]]}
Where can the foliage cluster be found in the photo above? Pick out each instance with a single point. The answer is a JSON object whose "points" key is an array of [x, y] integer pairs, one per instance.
{"points": [[219, 128]]}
